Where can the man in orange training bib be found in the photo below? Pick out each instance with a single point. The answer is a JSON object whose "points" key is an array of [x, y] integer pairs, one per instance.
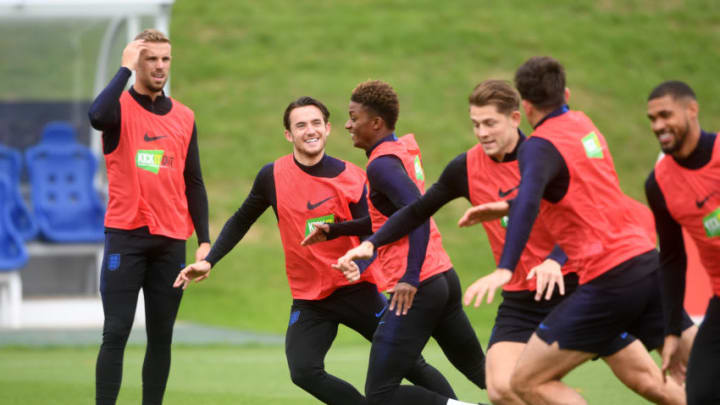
{"points": [[426, 292], [684, 194], [305, 188], [568, 178], [156, 199]]}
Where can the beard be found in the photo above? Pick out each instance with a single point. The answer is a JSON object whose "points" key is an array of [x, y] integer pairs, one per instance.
{"points": [[150, 84], [154, 88], [679, 137]]}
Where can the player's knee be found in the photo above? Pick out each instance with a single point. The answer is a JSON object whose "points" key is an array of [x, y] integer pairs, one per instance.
{"points": [[159, 337], [378, 396], [499, 390], [306, 375], [379, 393], [116, 332], [521, 385], [649, 388], [158, 348]]}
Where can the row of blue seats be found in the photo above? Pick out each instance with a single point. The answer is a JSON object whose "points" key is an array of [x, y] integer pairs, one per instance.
{"points": [[66, 207]]}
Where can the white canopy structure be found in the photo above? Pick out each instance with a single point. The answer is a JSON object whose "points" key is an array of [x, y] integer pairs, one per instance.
{"points": [[55, 57], [88, 34]]}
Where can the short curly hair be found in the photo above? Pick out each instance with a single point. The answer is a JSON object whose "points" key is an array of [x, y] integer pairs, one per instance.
{"points": [[380, 98], [152, 35]]}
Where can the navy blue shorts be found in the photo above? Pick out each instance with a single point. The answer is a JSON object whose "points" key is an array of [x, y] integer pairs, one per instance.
{"points": [[519, 314], [624, 301]]}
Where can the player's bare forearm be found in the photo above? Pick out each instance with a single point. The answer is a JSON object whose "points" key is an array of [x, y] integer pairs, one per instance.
{"points": [[484, 212]]}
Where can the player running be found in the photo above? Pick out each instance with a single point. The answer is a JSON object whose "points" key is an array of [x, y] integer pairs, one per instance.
{"points": [[303, 188], [567, 174], [483, 174], [426, 292]]}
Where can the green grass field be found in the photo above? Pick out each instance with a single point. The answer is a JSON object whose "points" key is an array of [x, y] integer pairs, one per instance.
{"points": [[231, 375], [238, 64]]}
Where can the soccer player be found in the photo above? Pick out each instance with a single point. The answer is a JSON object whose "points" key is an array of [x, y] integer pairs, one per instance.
{"points": [[426, 292], [307, 187], [484, 173], [684, 194], [156, 198], [567, 174]]}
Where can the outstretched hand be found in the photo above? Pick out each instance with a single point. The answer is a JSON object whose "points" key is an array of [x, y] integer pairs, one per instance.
{"points": [[486, 285], [346, 263], [548, 274], [362, 251], [484, 212], [350, 270], [196, 272], [318, 234]]}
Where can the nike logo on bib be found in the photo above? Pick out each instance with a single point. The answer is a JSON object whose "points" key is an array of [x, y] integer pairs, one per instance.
{"points": [[311, 206], [702, 202], [149, 138], [504, 194]]}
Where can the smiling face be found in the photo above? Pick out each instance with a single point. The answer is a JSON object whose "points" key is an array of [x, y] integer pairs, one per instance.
{"points": [[153, 68], [672, 122], [496, 132], [308, 133], [364, 126]]}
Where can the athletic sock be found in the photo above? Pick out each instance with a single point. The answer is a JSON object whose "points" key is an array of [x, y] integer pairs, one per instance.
{"points": [[456, 402]]}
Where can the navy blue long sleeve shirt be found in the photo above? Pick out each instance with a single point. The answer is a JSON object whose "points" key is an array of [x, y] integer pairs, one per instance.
{"points": [[544, 175], [673, 257], [105, 116], [263, 195], [391, 189], [453, 183]]}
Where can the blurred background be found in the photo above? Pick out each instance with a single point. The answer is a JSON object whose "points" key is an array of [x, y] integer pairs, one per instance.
{"points": [[237, 64]]}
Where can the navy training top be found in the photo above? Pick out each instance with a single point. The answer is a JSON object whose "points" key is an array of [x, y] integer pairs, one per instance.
{"points": [[104, 116]]}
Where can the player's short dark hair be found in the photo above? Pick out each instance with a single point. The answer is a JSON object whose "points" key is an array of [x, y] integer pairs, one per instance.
{"points": [[380, 98], [541, 81], [498, 93], [303, 102], [673, 88], [152, 35]]}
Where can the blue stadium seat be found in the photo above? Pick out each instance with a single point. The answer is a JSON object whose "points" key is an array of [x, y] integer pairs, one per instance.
{"points": [[61, 171], [13, 254], [10, 168]]}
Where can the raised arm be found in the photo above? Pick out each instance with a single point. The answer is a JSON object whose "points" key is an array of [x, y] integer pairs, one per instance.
{"points": [[104, 112]]}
